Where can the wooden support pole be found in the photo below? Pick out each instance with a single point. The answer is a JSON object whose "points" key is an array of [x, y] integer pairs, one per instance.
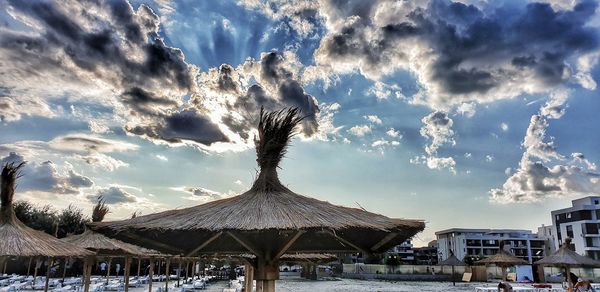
{"points": [[64, 269], [187, 271], [139, 266], [5, 263], [88, 274], [29, 267], [35, 270], [159, 266], [84, 272], [127, 267], [48, 267], [178, 272], [168, 263], [248, 278], [108, 270], [151, 275]]}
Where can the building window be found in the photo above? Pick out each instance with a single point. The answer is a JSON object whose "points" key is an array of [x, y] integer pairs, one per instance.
{"points": [[596, 202], [568, 215], [570, 231]]}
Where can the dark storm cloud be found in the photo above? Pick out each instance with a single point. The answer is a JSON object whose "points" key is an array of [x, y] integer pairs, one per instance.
{"points": [[290, 92], [473, 52], [177, 127], [89, 42]]}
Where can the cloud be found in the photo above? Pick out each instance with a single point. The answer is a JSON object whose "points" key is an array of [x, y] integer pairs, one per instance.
{"points": [[161, 157], [382, 90], [94, 47], [543, 172], [201, 194], [373, 119], [14, 105], [114, 195], [393, 133], [45, 177], [504, 126], [437, 127], [301, 17], [112, 54], [458, 52], [360, 130]]}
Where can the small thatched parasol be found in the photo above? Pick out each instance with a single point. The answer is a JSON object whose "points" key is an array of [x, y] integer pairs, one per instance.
{"points": [[452, 261], [567, 258], [18, 240], [503, 259], [108, 247], [102, 245], [268, 220]]}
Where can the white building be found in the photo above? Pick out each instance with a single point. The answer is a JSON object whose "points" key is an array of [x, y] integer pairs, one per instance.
{"points": [[549, 234], [581, 222], [486, 242]]}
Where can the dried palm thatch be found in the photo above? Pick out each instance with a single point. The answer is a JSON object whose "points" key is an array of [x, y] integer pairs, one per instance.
{"points": [[268, 211], [103, 245], [19, 240], [564, 256]]}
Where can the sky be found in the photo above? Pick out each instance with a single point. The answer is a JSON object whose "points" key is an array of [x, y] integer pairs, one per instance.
{"points": [[472, 114]]}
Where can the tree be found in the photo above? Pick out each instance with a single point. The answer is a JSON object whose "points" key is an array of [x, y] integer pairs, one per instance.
{"points": [[45, 218]]}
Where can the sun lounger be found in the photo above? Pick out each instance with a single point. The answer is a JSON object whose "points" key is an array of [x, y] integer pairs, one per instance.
{"points": [[64, 288]]}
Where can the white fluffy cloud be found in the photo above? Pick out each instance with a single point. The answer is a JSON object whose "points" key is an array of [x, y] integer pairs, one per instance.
{"points": [[45, 177], [437, 127], [360, 130], [543, 172]]}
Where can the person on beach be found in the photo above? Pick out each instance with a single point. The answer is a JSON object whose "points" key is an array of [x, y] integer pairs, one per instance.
{"points": [[505, 287]]}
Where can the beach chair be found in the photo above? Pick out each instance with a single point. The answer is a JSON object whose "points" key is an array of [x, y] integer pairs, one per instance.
{"points": [[65, 288]]}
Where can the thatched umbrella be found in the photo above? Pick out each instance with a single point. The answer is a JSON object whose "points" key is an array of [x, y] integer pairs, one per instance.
{"points": [[18, 240], [452, 261], [567, 258], [503, 259], [108, 247], [268, 220]]}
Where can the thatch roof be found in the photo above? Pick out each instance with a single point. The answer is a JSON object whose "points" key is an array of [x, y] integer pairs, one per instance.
{"points": [[103, 245], [452, 260], [16, 239], [564, 256], [268, 207], [503, 258]]}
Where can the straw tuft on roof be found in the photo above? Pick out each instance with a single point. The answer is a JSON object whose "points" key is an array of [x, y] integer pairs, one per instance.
{"points": [[16, 239]]}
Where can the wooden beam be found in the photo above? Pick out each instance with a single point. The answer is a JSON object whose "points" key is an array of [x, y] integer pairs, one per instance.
{"points": [[346, 242], [151, 242], [287, 246], [203, 245], [384, 240], [245, 244]]}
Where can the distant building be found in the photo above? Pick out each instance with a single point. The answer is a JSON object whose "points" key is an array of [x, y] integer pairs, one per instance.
{"points": [[470, 243], [427, 255], [549, 234], [405, 252], [581, 222]]}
